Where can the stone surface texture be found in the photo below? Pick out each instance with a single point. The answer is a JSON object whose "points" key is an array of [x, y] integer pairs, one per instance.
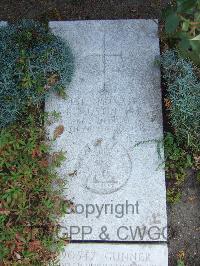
{"points": [[114, 255], [113, 124]]}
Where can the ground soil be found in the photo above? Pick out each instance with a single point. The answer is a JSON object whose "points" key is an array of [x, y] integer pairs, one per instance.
{"points": [[183, 217], [80, 9], [184, 224]]}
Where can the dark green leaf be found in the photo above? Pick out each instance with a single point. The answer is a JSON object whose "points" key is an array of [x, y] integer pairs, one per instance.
{"points": [[185, 25], [185, 43], [185, 5], [172, 22], [168, 11]]}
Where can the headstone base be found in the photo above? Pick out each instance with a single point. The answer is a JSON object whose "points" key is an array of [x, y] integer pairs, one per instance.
{"points": [[115, 255]]}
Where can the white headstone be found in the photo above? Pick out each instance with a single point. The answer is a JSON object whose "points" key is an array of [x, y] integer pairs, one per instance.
{"points": [[114, 103], [114, 255]]}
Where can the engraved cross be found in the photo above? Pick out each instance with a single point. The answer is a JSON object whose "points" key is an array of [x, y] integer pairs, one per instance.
{"points": [[104, 55]]}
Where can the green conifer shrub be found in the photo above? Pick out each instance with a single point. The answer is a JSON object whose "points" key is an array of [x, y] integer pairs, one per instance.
{"points": [[183, 92], [33, 61]]}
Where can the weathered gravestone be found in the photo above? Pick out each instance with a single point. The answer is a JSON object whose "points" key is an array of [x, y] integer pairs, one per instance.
{"points": [[113, 124]]}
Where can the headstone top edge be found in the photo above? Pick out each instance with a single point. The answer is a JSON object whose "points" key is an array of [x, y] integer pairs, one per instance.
{"points": [[106, 21]]}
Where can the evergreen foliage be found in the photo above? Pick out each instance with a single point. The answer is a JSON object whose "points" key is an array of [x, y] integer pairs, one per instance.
{"points": [[183, 89], [33, 61]]}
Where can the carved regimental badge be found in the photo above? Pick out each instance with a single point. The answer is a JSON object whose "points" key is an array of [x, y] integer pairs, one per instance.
{"points": [[104, 167]]}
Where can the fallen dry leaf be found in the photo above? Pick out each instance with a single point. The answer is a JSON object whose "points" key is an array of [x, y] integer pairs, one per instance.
{"points": [[53, 79], [36, 153], [17, 255], [181, 254], [74, 173], [197, 161], [19, 246], [4, 212], [44, 163], [192, 198], [34, 245], [167, 103], [58, 131]]}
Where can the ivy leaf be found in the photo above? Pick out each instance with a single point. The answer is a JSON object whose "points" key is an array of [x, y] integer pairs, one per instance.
{"points": [[185, 44], [172, 22], [185, 6], [197, 38], [185, 25], [167, 11], [197, 15], [195, 46]]}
